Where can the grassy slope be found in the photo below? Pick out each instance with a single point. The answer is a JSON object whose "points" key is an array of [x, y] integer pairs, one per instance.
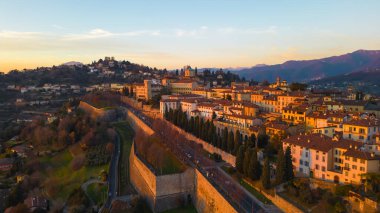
{"points": [[61, 178], [97, 192]]}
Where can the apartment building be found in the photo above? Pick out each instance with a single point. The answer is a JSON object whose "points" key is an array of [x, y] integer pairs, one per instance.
{"points": [[363, 130], [331, 159]]}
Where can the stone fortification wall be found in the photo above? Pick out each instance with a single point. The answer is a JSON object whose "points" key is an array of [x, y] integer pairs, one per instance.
{"points": [[161, 192], [208, 199], [137, 123], [94, 112], [208, 147], [172, 191]]}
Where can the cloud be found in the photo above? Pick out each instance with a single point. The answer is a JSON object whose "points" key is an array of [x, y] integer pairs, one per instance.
{"points": [[249, 31], [15, 34], [199, 32], [101, 33]]}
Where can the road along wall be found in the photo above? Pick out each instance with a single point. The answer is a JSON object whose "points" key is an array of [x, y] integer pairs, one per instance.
{"points": [[206, 146]]}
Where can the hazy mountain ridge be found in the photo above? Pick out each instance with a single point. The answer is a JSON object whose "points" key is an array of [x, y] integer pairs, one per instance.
{"points": [[308, 70]]}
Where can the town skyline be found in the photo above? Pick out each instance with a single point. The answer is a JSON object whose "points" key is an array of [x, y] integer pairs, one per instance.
{"points": [[231, 34]]}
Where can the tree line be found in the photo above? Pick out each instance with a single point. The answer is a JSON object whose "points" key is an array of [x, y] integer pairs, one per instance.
{"points": [[244, 148]]}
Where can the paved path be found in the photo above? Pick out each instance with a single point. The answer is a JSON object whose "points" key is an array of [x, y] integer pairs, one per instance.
{"points": [[85, 185], [113, 174]]}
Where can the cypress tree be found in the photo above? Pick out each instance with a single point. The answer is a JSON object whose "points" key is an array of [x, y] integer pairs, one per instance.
{"points": [[280, 167], [252, 141], [240, 159], [265, 177], [254, 168], [230, 142], [191, 125], [213, 115], [288, 165], [225, 139], [237, 141], [247, 159], [166, 115]]}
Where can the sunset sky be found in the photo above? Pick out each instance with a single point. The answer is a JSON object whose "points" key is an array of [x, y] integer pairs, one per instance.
{"points": [[170, 34]]}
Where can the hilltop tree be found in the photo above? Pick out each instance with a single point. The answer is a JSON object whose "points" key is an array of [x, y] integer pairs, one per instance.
{"points": [[289, 174], [280, 167], [254, 168], [265, 178], [240, 159]]}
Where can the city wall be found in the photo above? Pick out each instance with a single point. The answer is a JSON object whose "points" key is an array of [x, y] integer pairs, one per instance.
{"points": [[171, 191], [207, 198], [277, 200], [206, 146], [161, 192], [94, 112], [137, 123]]}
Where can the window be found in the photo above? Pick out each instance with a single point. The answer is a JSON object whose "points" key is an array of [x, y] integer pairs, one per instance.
{"points": [[346, 165], [349, 136], [323, 168], [354, 167], [317, 167], [362, 161], [307, 163], [323, 158], [347, 158], [317, 157], [354, 159], [306, 154], [301, 162], [336, 152], [362, 169]]}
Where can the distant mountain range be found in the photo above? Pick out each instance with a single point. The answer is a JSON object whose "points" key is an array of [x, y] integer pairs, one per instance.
{"points": [[310, 70], [72, 63], [368, 75]]}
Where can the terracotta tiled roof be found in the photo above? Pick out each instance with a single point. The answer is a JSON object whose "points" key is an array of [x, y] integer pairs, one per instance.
{"points": [[363, 122], [361, 155], [312, 141]]}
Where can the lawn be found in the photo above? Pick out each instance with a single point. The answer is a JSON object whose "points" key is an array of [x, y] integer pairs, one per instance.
{"points": [[97, 193], [61, 179], [126, 134], [187, 209], [247, 186], [255, 193]]}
